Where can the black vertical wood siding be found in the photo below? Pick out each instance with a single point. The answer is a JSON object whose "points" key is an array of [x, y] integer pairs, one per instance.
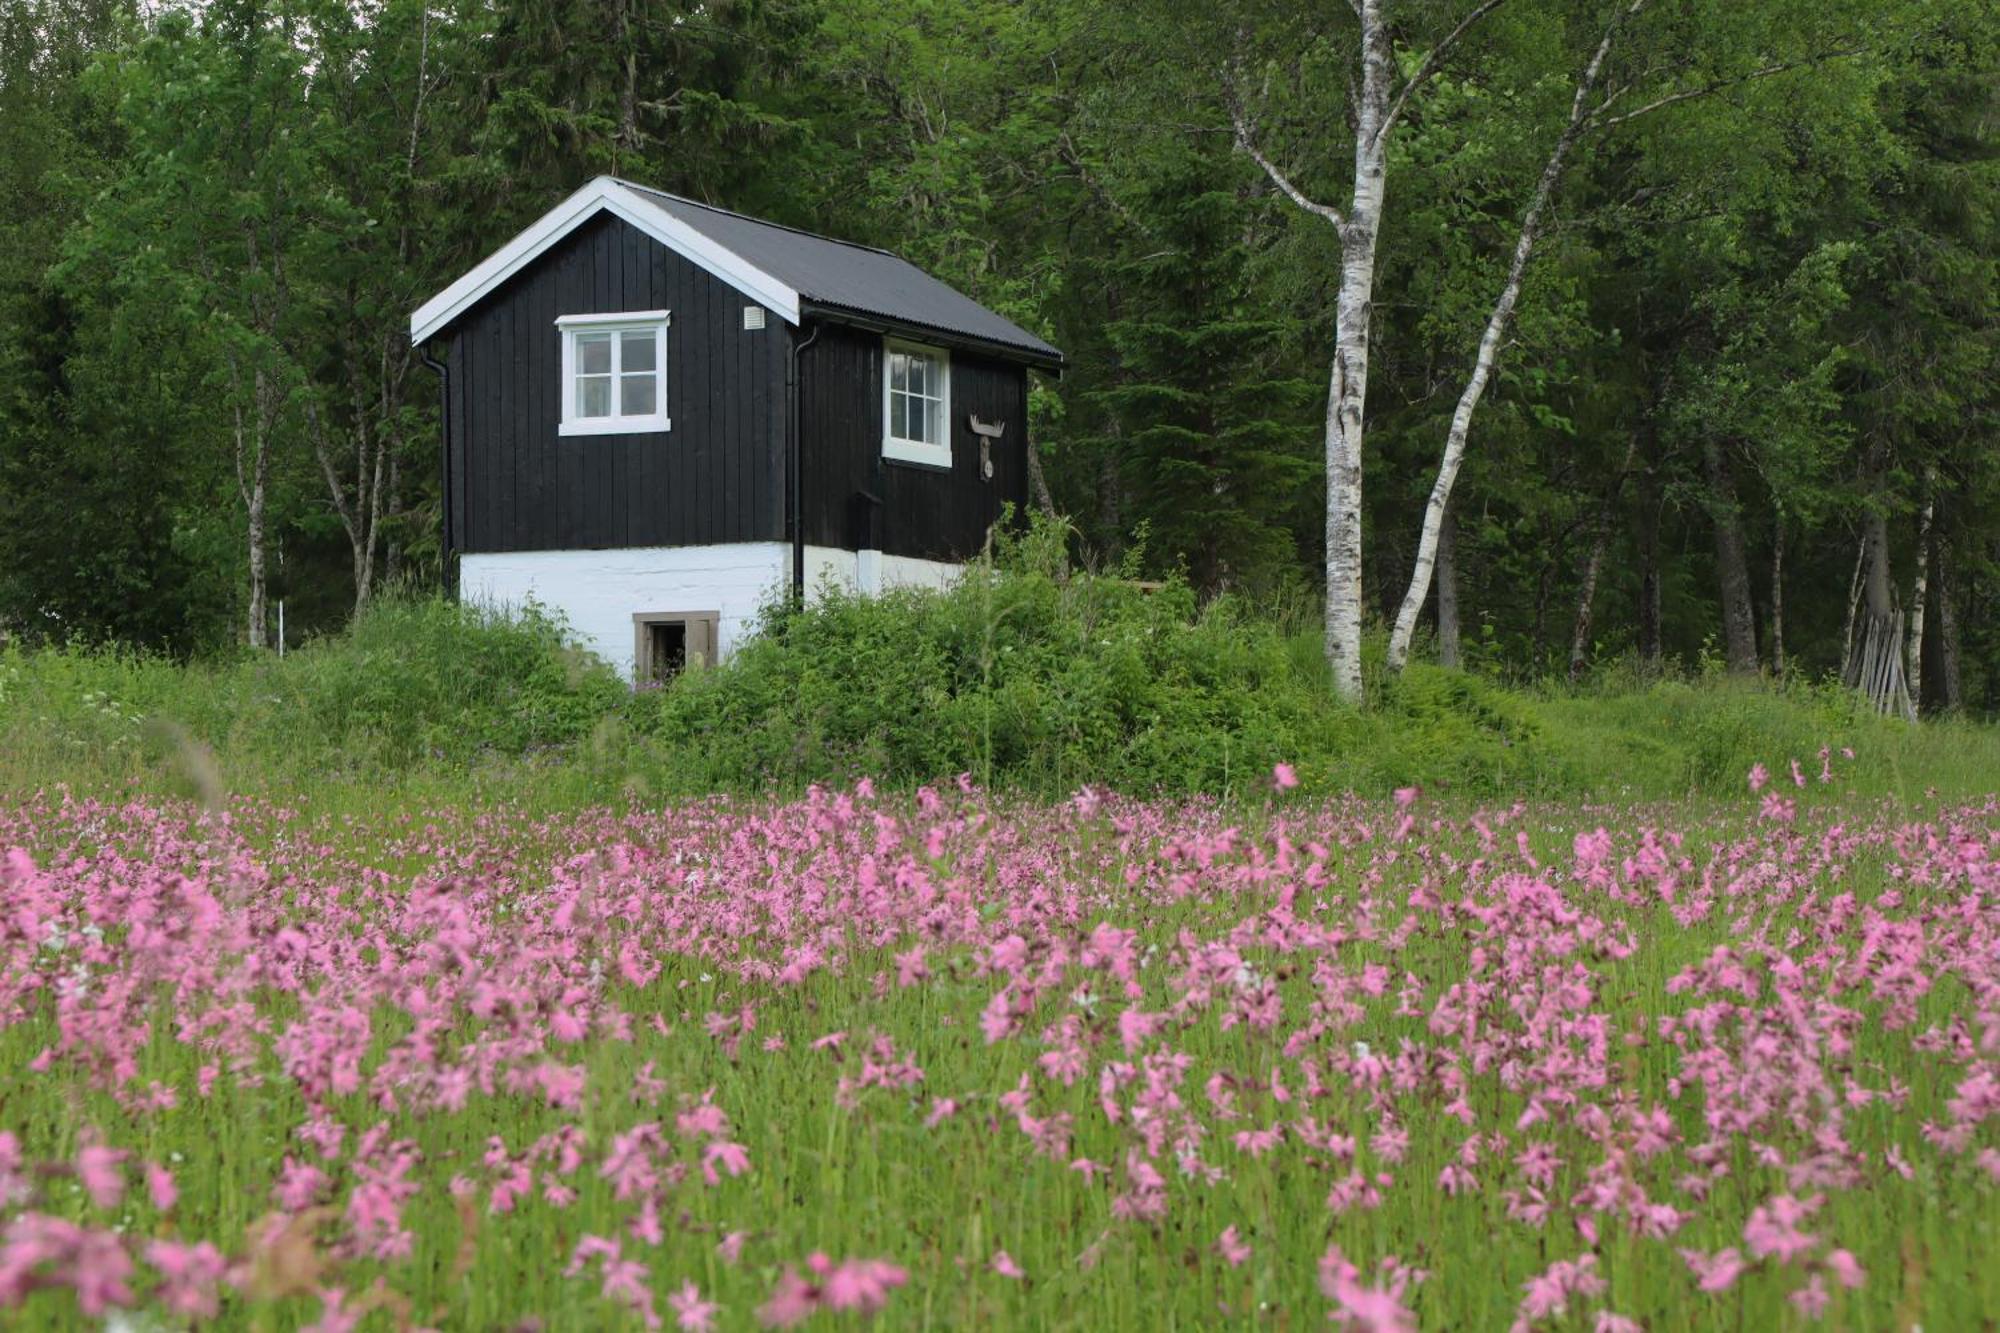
{"points": [[719, 474], [924, 512], [716, 476]]}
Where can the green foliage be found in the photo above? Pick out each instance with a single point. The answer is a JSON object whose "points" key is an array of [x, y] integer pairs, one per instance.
{"points": [[1024, 678], [1027, 676], [412, 684]]}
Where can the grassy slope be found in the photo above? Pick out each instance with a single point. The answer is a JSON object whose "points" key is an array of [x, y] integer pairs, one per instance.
{"points": [[1030, 682]]}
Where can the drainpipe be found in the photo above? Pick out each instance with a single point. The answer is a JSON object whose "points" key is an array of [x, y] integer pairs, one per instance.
{"points": [[794, 477], [444, 452]]}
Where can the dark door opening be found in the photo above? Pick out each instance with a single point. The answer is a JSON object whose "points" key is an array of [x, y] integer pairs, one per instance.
{"points": [[666, 643], [666, 649]]}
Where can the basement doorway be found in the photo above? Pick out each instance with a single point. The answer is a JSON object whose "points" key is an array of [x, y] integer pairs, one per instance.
{"points": [[666, 643]]}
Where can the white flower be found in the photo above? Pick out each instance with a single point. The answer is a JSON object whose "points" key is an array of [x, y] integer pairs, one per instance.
{"points": [[1362, 1050]]}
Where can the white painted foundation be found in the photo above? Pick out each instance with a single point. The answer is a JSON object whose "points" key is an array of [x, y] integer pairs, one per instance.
{"points": [[598, 592]]}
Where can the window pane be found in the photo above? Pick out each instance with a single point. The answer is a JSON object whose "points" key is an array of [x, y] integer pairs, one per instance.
{"points": [[899, 371], [593, 353], [898, 417], [921, 417], [593, 396], [635, 395], [920, 374], [637, 351]]}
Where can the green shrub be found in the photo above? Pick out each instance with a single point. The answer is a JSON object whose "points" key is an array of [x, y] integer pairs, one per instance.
{"points": [[1026, 674], [1019, 676], [417, 680], [413, 682]]}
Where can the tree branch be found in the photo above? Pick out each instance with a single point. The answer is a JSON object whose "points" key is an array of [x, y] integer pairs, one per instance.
{"points": [[1247, 142], [1432, 63], [1601, 122]]}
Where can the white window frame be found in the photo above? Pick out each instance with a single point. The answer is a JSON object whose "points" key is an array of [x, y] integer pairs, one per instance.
{"points": [[901, 450], [568, 326]]}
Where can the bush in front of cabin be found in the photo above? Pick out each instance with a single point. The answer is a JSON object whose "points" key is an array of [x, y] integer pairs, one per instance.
{"points": [[1025, 673], [430, 679]]}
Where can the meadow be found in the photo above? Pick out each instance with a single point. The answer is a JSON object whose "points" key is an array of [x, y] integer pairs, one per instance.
{"points": [[950, 1058]]}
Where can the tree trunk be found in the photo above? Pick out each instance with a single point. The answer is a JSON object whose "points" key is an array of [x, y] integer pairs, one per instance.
{"points": [[1652, 647], [1778, 594], [627, 140], [1600, 542], [251, 430], [1497, 323], [1732, 564], [1918, 594], [1447, 576], [1347, 380], [1376, 106], [1853, 607], [1950, 682], [1876, 669], [1038, 483], [1347, 387], [257, 635]]}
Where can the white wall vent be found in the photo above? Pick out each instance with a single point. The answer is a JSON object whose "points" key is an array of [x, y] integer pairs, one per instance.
{"points": [[753, 317]]}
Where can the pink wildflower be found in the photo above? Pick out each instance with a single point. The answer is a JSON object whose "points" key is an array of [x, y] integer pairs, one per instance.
{"points": [[1716, 1272], [1845, 1269], [1004, 1265], [1232, 1247], [100, 1169], [691, 1312], [1773, 1229], [190, 1274], [160, 1187], [1365, 1309]]}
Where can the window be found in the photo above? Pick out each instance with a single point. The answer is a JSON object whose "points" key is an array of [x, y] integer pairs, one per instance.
{"points": [[614, 370], [916, 404], [665, 643]]}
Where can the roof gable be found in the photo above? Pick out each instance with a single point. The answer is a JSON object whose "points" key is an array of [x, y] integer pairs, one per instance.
{"points": [[603, 195], [789, 271]]}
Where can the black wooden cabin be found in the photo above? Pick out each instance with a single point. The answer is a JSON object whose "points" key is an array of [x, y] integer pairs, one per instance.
{"points": [[655, 410]]}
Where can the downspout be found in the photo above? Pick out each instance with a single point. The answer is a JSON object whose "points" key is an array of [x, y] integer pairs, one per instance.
{"points": [[794, 477], [444, 453]]}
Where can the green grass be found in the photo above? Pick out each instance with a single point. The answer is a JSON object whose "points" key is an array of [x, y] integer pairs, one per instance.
{"points": [[1030, 676]]}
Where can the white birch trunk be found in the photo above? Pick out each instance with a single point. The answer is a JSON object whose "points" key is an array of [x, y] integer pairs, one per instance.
{"points": [[1347, 387], [1377, 106], [1919, 594], [1497, 323], [251, 435]]}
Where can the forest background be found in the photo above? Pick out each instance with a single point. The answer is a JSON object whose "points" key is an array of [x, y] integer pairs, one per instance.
{"points": [[1738, 386]]}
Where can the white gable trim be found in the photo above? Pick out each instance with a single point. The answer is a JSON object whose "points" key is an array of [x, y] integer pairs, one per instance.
{"points": [[605, 194]]}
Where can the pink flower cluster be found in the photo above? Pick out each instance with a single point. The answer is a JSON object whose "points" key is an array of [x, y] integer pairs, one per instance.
{"points": [[1589, 1028]]}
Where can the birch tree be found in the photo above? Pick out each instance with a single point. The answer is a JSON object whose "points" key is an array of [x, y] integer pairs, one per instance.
{"points": [[1377, 101], [1601, 101]]}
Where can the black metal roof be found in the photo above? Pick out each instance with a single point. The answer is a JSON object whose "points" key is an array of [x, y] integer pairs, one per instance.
{"points": [[844, 279]]}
